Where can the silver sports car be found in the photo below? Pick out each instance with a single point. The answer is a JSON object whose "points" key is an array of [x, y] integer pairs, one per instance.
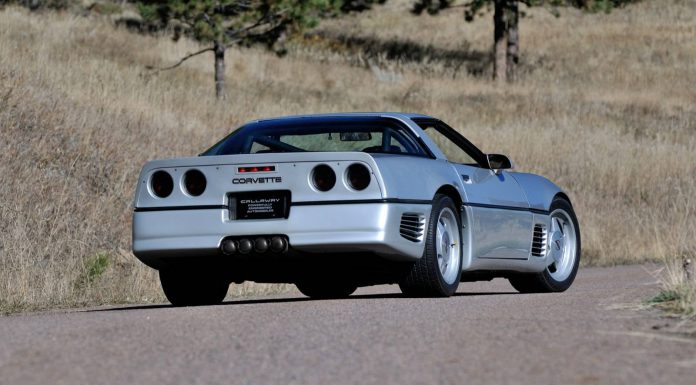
{"points": [[334, 202]]}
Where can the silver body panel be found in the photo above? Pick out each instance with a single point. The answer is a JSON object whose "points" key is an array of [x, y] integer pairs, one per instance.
{"points": [[499, 209], [362, 227]]}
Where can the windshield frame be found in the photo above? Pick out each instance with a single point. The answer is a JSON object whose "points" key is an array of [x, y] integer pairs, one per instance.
{"points": [[241, 139]]}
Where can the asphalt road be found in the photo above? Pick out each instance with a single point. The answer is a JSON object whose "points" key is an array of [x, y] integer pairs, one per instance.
{"points": [[486, 334]]}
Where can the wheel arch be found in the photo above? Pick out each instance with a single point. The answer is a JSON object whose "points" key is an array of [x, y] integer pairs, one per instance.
{"points": [[540, 191], [464, 215], [563, 196], [451, 192]]}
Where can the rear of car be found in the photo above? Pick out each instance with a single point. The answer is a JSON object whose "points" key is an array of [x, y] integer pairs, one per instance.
{"points": [[334, 202], [281, 187]]}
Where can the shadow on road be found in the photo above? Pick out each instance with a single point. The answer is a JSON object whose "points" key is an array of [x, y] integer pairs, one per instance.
{"points": [[294, 299]]}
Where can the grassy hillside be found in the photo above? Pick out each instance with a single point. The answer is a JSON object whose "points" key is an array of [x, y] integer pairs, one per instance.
{"points": [[605, 107]]}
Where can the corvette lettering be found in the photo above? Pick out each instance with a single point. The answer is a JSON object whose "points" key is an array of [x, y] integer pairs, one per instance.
{"points": [[270, 179]]}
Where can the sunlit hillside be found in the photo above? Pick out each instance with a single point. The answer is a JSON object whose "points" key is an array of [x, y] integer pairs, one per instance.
{"points": [[606, 107]]}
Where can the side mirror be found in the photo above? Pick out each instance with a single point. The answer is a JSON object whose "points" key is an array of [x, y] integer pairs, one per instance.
{"points": [[498, 162]]}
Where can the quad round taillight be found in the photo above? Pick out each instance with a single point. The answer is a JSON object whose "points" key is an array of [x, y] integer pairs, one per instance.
{"points": [[358, 176], [161, 184], [323, 177], [194, 182]]}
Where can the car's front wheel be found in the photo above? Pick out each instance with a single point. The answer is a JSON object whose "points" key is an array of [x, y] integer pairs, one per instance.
{"points": [[193, 287], [437, 272], [563, 249]]}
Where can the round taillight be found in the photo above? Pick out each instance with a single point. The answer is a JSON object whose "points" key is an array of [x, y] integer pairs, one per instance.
{"points": [[161, 184], [323, 177], [194, 182], [358, 176]]}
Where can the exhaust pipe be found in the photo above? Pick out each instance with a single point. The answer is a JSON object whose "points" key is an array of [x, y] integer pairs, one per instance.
{"points": [[229, 246], [260, 245], [245, 246], [279, 245]]}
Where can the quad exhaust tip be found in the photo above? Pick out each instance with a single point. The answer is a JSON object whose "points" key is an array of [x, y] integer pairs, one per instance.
{"points": [[261, 245], [276, 244], [245, 246], [229, 246], [279, 245]]}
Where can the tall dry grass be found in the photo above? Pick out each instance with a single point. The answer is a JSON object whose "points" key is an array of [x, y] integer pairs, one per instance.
{"points": [[678, 294], [605, 107]]}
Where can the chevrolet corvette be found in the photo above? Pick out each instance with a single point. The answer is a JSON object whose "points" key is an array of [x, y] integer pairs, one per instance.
{"points": [[338, 201]]}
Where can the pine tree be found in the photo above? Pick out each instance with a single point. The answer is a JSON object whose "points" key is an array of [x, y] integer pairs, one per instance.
{"points": [[220, 24], [506, 15]]}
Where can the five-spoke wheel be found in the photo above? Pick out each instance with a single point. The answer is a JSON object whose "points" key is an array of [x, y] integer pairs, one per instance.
{"points": [[563, 254], [438, 271]]}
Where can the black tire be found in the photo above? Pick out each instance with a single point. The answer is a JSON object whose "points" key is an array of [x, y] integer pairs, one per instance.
{"points": [[425, 278], [193, 287], [317, 289], [543, 282]]}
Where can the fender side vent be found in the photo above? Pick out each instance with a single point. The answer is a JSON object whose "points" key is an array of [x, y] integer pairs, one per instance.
{"points": [[412, 225], [539, 241]]}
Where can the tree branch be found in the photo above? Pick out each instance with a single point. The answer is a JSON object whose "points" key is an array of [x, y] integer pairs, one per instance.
{"points": [[180, 61], [207, 19], [236, 40], [263, 20]]}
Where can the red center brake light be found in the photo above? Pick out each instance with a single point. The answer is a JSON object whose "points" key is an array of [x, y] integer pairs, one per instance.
{"points": [[256, 169]]}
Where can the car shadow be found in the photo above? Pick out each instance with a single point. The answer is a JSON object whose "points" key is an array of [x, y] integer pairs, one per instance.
{"points": [[241, 302]]}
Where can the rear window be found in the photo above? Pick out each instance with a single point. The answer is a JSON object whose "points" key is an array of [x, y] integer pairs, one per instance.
{"points": [[373, 135]]}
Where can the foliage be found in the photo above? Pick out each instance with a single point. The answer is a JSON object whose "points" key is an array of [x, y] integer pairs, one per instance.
{"points": [[106, 8], [665, 296], [599, 5], [40, 4], [680, 299], [475, 8], [246, 22], [346, 6], [678, 291], [236, 21], [506, 17], [94, 268]]}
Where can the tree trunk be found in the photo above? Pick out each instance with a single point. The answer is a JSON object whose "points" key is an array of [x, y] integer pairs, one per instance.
{"points": [[500, 41], [513, 43], [219, 49]]}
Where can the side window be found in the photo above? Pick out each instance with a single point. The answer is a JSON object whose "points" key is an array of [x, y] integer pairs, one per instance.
{"points": [[258, 148], [454, 153], [396, 145]]}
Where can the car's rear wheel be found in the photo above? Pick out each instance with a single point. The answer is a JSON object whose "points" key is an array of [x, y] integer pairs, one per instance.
{"points": [[437, 272], [564, 250], [193, 287], [326, 289]]}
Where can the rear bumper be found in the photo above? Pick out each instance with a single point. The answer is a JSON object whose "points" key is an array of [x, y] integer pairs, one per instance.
{"points": [[334, 228]]}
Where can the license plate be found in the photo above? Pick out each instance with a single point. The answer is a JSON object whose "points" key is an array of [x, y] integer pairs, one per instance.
{"points": [[261, 204]]}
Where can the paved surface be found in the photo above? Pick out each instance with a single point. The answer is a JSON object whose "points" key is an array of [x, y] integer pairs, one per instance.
{"points": [[593, 334]]}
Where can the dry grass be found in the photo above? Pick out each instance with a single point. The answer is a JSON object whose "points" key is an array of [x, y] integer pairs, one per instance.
{"points": [[606, 109], [678, 294]]}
